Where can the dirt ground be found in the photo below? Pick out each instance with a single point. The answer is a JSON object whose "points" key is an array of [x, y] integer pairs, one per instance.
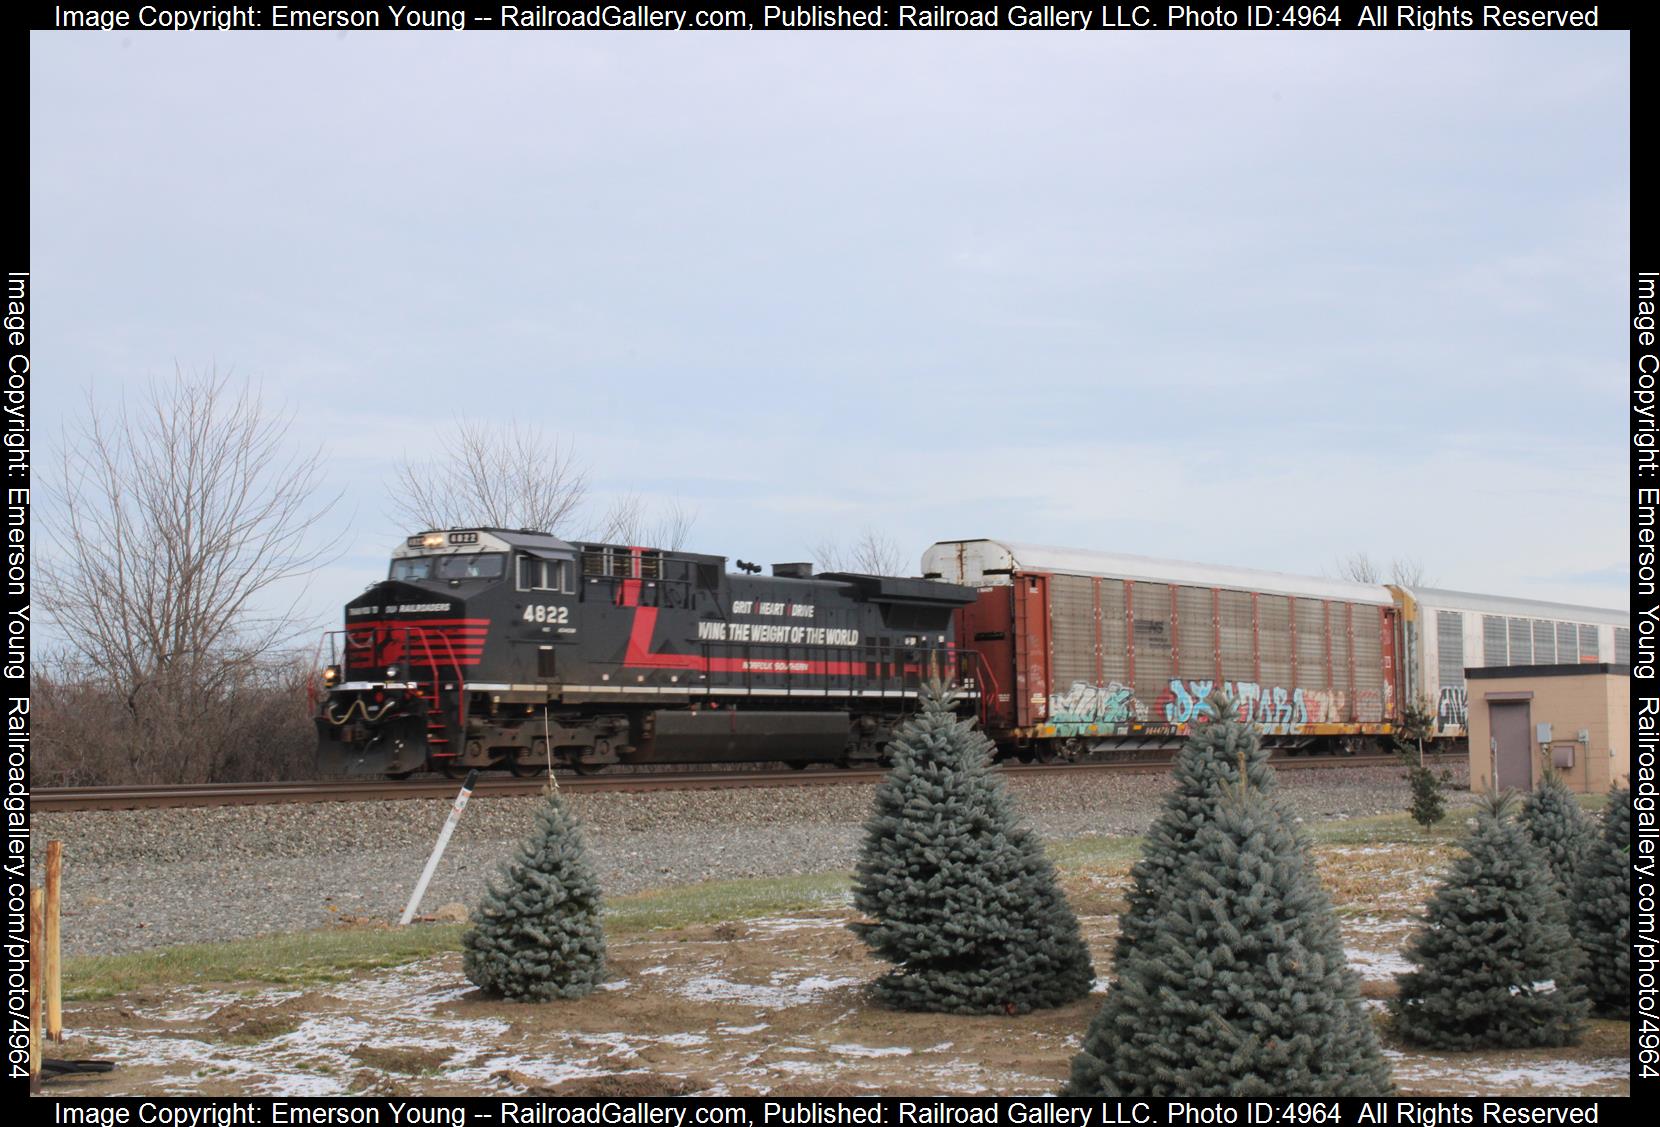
{"points": [[764, 1006]]}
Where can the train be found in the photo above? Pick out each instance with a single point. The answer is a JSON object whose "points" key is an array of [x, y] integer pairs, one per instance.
{"points": [[517, 650]]}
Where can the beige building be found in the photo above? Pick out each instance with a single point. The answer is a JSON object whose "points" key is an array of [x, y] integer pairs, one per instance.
{"points": [[1576, 717]]}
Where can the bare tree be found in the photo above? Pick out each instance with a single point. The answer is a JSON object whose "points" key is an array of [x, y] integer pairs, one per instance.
{"points": [[499, 476], [1358, 567], [1403, 571], [176, 517], [871, 553], [627, 521]]}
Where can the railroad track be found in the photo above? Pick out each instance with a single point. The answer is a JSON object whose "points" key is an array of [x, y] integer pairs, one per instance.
{"points": [[375, 790]]}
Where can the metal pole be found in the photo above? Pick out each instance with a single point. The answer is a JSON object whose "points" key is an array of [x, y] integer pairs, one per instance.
{"points": [[438, 850]]}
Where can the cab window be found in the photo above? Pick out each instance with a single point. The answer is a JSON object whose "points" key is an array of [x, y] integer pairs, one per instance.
{"points": [[412, 569], [536, 574], [486, 566]]}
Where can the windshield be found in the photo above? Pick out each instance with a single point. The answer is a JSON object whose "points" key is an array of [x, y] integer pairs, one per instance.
{"points": [[487, 566], [490, 565]]}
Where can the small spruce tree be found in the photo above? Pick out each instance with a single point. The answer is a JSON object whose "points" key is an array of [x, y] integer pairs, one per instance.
{"points": [[1497, 967], [958, 892], [1559, 829], [1234, 982], [1601, 910], [537, 934], [1205, 770], [1429, 799]]}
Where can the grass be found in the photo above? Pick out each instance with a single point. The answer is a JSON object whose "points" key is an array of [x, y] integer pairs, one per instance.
{"points": [[316, 957], [1390, 829], [302, 958], [310, 958], [724, 900]]}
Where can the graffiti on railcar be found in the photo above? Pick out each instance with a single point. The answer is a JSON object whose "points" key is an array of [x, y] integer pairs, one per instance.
{"points": [[1452, 710], [1273, 708], [1083, 703]]}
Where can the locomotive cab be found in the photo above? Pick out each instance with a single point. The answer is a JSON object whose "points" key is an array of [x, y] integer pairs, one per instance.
{"points": [[404, 672]]}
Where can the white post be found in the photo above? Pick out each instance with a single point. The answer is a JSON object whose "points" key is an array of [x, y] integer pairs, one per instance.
{"points": [[438, 850]]}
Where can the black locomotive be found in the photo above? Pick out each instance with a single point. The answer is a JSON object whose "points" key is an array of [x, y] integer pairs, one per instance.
{"points": [[496, 648]]}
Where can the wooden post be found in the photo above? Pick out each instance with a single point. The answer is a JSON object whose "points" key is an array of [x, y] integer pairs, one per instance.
{"points": [[54, 948], [35, 976]]}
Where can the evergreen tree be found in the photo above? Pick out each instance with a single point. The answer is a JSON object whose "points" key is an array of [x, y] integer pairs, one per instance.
{"points": [[1602, 910], [1559, 829], [1205, 769], [537, 933], [1234, 980], [1429, 800], [963, 900], [1496, 964]]}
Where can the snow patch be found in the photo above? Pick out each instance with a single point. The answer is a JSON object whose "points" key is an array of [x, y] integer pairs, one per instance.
{"points": [[779, 925], [1548, 1077], [777, 994], [1377, 966]]}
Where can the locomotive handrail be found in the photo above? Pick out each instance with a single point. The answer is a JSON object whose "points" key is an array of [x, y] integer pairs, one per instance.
{"points": [[455, 662], [367, 638]]}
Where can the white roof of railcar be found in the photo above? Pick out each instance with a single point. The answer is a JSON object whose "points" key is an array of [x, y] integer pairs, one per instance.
{"points": [[1432, 598], [1113, 565]]}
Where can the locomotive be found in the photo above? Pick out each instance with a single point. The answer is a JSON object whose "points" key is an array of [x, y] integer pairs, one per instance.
{"points": [[492, 647]]}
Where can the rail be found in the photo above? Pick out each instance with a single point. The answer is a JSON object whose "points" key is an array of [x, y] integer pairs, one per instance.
{"points": [[65, 799]]}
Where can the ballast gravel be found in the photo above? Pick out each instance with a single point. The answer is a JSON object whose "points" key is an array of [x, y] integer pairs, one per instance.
{"points": [[140, 879]]}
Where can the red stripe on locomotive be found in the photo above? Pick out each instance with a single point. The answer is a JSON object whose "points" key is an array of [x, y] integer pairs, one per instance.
{"points": [[431, 642]]}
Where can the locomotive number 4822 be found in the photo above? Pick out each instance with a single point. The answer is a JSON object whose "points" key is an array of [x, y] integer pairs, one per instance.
{"points": [[539, 613]]}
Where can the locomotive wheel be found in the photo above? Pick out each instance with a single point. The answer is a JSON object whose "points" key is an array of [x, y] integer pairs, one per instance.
{"points": [[796, 764], [588, 768], [523, 770]]}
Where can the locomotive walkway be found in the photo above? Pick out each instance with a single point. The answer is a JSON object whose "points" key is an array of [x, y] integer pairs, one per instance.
{"points": [[372, 790]]}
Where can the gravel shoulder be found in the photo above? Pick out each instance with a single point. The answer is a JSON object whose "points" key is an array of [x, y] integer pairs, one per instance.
{"points": [[155, 878]]}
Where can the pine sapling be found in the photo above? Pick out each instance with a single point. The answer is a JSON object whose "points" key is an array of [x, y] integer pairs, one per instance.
{"points": [[537, 933], [1602, 909], [1496, 965], [1229, 976], [958, 893], [1553, 821]]}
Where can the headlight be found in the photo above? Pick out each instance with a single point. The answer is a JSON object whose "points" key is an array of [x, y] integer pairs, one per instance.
{"points": [[331, 676], [392, 672], [433, 540]]}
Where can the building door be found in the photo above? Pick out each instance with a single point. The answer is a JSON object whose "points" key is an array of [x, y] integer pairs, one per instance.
{"points": [[1510, 723]]}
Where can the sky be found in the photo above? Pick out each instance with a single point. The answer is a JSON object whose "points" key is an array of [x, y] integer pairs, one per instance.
{"points": [[1261, 299]]}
